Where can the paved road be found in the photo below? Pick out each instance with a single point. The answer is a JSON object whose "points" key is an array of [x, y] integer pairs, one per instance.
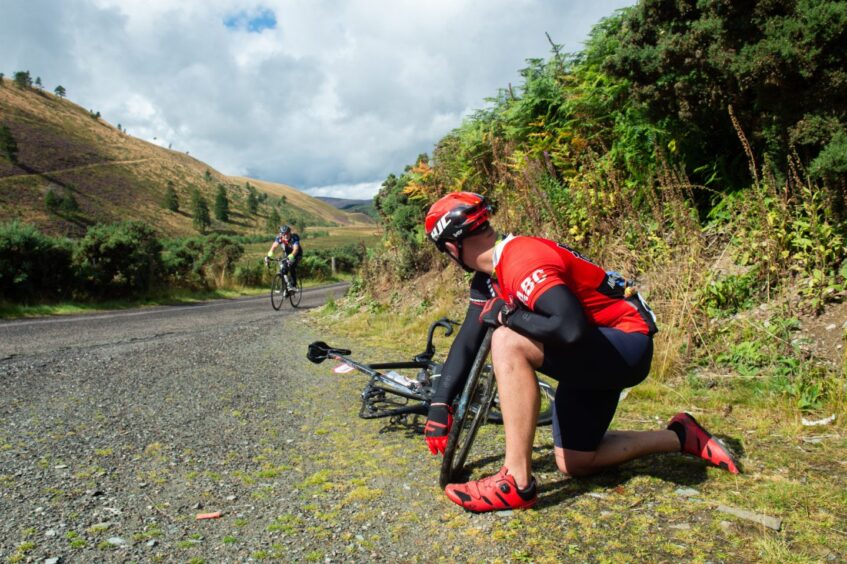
{"points": [[53, 334]]}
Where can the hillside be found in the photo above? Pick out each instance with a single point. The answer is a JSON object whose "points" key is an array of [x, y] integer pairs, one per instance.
{"points": [[114, 176], [362, 206]]}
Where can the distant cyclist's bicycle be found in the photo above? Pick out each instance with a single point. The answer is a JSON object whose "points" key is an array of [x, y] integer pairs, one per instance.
{"points": [[282, 286], [393, 394]]}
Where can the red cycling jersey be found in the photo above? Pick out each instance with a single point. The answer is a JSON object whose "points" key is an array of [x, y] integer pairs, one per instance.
{"points": [[526, 267]]}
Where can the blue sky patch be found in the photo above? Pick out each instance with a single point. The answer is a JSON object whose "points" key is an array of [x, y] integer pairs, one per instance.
{"points": [[254, 21]]}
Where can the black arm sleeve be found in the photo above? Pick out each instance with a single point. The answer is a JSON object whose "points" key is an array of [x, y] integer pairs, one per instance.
{"points": [[465, 346], [559, 318]]}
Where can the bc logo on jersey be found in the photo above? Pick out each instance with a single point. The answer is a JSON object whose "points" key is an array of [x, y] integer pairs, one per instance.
{"points": [[529, 283]]}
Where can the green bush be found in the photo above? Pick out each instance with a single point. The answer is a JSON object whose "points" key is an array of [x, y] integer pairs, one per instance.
{"points": [[201, 262], [250, 275], [314, 266], [33, 265], [181, 262], [119, 260]]}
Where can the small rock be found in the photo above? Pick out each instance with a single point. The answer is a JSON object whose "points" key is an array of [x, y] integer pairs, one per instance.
{"points": [[686, 492], [681, 526], [50, 533], [116, 541], [831, 326], [725, 525], [54, 560], [198, 505], [152, 542], [506, 513], [231, 498]]}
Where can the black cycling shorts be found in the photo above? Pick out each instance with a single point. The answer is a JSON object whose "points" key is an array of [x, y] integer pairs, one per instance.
{"points": [[591, 375]]}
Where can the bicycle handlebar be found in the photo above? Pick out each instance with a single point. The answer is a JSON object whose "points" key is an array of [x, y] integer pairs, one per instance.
{"points": [[429, 352]]}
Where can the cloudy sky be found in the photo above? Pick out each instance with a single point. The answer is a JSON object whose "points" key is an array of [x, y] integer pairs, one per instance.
{"points": [[329, 96]]}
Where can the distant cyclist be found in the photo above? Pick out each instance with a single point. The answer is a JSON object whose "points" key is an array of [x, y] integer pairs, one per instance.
{"points": [[560, 314], [290, 244]]}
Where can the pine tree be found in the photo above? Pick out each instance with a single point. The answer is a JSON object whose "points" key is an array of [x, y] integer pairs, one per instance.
{"points": [[273, 220], [69, 203], [2, 80], [23, 79], [60, 91], [38, 82], [202, 221], [52, 201], [207, 176], [252, 201], [8, 145], [171, 201], [221, 204]]}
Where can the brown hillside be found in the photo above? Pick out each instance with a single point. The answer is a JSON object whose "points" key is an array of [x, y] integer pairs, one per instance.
{"points": [[114, 176]]}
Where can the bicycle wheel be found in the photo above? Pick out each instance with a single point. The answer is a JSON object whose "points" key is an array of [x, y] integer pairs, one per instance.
{"points": [[545, 411], [470, 413], [277, 291], [296, 294]]}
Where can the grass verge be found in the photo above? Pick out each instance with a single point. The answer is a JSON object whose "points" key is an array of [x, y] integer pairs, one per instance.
{"points": [[792, 471]]}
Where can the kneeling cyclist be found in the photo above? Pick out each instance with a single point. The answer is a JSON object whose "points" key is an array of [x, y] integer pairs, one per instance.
{"points": [[557, 313]]}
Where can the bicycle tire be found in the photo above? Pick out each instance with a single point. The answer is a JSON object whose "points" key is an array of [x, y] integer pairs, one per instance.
{"points": [[296, 295], [470, 413], [545, 413], [277, 291]]}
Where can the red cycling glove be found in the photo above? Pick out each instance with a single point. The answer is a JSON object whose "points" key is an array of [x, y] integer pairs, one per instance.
{"points": [[494, 310], [438, 424]]}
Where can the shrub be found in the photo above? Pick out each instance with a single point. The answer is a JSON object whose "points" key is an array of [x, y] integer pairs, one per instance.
{"points": [[220, 253], [170, 201], [52, 201], [181, 261], [314, 266], [119, 260], [221, 204], [250, 275], [8, 145], [33, 264], [201, 262], [69, 204]]}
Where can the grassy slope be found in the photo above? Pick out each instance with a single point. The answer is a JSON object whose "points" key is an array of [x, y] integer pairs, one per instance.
{"points": [[115, 176]]}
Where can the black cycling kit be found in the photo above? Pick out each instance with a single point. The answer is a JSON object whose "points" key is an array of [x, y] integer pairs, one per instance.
{"points": [[565, 302], [288, 247]]}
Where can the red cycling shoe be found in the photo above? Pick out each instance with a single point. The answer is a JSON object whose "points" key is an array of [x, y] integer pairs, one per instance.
{"points": [[699, 442], [494, 493]]}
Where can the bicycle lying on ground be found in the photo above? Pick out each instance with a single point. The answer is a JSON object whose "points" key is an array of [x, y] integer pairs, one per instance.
{"points": [[281, 286], [390, 393]]}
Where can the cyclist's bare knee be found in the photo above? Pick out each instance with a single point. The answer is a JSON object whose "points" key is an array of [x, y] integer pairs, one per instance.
{"points": [[508, 344], [576, 463]]}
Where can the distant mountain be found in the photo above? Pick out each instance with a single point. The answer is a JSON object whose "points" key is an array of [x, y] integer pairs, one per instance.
{"points": [[59, 147], [349, 205]]}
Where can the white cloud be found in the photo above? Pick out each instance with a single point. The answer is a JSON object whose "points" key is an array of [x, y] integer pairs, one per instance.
{"points": [[357, 191], [325, 94]]}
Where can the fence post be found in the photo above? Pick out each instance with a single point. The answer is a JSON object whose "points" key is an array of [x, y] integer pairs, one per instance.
{"points": [[332, 262]]}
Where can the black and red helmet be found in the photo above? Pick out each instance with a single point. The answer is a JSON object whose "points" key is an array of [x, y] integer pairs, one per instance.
{"points": [[456, 216]]}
